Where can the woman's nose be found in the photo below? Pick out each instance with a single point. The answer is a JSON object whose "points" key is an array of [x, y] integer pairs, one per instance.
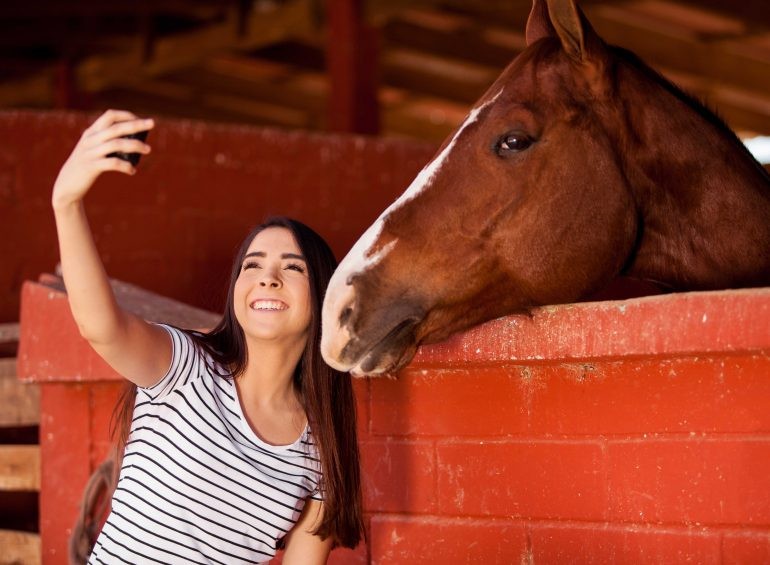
{"points": [[269, 279]]}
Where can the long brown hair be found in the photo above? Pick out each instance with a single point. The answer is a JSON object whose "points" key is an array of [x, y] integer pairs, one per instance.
{"points": [[325, 394]]}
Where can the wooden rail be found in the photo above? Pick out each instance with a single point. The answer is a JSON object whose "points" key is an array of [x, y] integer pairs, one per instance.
{"points": [[19, 464]]}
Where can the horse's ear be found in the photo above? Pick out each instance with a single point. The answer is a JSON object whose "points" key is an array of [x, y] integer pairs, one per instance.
{"points": [[539, 22], [578, 38]]}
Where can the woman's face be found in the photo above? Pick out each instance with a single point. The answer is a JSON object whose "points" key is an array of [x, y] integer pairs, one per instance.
{"points": [[272, 293]]}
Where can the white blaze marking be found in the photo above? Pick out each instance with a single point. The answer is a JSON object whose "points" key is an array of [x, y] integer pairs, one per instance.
{"points": [[361, 256]]}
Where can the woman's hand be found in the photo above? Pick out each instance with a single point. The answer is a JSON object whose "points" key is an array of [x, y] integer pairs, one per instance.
{"points": [[89, 157]]}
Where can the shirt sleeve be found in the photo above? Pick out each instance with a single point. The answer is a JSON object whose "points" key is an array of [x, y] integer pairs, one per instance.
{"points": [[316, 495], [187, 362], [316, 475]]}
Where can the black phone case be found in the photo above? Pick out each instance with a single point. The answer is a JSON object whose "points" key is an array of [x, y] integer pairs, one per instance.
{"points": [[132, 158]]}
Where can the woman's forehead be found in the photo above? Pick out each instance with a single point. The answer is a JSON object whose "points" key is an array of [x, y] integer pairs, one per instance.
{"points": [[274, 240]]}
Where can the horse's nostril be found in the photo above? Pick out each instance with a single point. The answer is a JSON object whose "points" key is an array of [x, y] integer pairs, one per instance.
{"points": [[345, 315]]}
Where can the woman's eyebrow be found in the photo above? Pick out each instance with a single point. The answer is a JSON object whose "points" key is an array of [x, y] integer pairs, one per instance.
{"points": [[292, 256], [283, 255]]}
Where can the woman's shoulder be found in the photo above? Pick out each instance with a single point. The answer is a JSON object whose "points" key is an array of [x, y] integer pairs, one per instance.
{"points": [[190, 360], [188, 343]]}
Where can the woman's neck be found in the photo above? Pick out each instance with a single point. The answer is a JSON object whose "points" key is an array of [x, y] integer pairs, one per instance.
{"points": [[268, 378], [267, 394]]}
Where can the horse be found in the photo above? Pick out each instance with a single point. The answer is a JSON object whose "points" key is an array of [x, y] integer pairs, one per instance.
{"points": [[578, 165]]}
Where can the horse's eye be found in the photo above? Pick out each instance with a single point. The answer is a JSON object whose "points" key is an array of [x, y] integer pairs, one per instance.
{"points": [[513, 142]]}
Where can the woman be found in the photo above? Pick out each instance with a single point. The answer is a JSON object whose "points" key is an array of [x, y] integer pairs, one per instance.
{"points": [[242, 440]]}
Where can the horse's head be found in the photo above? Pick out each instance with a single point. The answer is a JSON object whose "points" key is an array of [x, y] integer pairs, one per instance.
{"points": [[510, 210], [577, 164]]}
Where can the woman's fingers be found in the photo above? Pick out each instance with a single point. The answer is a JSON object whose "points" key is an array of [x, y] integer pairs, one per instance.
{"points": [[121, 145], [115, 164], [89, 158], [107, 119], [119, 129]]}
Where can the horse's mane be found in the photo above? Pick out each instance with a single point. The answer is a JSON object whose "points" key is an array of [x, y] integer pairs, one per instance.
{"points": [[696, 104]]}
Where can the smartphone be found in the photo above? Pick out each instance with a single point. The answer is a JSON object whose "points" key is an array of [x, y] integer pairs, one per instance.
{"points": [[132, 158]]}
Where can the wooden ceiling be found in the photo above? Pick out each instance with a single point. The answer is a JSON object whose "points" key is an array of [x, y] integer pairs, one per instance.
{"points": [[264, 62]]}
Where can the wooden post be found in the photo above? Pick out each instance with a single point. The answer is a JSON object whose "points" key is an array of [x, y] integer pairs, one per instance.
{"points": [[351, 53]]}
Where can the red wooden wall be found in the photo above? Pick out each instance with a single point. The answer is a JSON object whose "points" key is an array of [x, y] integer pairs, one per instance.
{"points": [[613, 432], [174, 227]]}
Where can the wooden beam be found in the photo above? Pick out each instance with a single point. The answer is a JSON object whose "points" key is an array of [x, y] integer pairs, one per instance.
{"points": [[491, 46], [30, 91], [704, 24], [20, 547], [416, 119], [752, 11], [20, 401], [7, 368], [510, 13], [187, 49], [264, 112], [744, 62], [303, 91], [9, 332], [351, 55], [457, 80], [128, 66], [56, 9], [19, 467]]}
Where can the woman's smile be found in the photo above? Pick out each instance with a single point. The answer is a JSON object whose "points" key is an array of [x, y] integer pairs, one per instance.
{"points": [[266, 304]]}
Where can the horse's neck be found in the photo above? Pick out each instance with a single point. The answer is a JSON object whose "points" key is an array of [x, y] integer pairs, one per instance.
{"points": [[704, 210]]}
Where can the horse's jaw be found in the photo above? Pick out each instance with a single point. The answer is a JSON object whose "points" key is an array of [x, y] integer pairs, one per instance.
{"points": [[385, 354], [367, 337]]}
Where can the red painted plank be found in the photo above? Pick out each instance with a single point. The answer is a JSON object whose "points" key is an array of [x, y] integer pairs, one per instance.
{"points": [[65, 464], [428, 540], [741, 548], [481, 401], [543, 479], [50, 346], [622, 545], [730, 394], [690, 481], [693, 323], [399, 476], [103, 398]]}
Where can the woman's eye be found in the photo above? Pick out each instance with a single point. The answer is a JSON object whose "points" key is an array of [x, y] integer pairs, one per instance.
{"points": [[250, 265], [296, 267], [513, 142]]}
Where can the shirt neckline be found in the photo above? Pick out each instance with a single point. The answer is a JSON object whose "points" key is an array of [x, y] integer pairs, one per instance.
{"points": [[251, 434]]}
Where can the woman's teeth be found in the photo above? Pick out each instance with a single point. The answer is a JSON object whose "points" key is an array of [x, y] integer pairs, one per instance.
{"points": [[268, 305]]}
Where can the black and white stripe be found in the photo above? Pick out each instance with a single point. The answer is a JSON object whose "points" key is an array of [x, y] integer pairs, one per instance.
{"points": [[197, 485]]}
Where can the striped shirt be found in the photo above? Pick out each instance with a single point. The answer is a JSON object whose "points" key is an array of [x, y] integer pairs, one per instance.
{"points": [[197, 484]]}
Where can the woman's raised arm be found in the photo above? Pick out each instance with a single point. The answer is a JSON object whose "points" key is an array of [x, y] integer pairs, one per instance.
{"points": [[139, 351]]}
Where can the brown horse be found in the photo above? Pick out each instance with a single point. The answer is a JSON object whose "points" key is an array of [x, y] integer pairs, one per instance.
{"points": [[579, 164]]}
